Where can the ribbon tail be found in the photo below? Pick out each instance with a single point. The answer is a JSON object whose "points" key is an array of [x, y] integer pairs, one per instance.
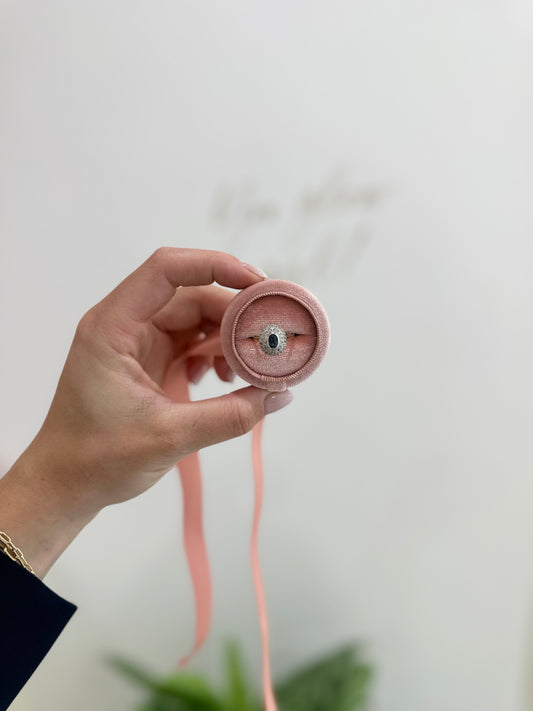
{"points": [[195, 547], [270, 701], [189, 469]]}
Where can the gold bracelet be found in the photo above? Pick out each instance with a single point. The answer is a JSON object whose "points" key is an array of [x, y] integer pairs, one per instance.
{"points": [[11, 550]]}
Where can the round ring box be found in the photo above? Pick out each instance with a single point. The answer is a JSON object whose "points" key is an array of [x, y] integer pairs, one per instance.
{"points": [[274, 334]]}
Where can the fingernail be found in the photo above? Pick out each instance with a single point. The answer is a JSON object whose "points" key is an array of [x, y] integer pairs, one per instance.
{"points": [[202, 370], [275, 401], [255, 270], [230, 376]]}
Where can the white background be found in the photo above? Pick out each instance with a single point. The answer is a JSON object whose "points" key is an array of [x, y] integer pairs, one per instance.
{"points": [[381, 154]]}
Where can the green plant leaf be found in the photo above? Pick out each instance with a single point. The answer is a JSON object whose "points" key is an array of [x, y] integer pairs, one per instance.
{"points": [[166, 703], [238, 696], [177, 692], [353, 694], [337, 683], [133, 671], [191, 688]]}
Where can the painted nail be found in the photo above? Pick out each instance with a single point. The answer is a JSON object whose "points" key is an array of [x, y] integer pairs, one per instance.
{"points": [[199, 374], [275, 401], [255, 270]]}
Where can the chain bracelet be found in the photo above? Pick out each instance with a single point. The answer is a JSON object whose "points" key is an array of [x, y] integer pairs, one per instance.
{"points": [[11, 550]]}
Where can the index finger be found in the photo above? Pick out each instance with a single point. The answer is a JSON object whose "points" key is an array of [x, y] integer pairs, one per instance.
{"points": [[152, 285]]}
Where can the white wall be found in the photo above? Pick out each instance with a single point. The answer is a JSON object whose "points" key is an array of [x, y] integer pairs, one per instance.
{"points": [[381, 154]]}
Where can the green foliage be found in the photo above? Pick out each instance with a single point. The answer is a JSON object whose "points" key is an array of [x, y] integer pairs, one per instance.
{"points": [[238, 696], [182, 691], [338, 682]]}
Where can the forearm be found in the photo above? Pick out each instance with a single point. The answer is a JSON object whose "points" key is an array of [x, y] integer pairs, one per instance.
{"points": [[39, 516]]}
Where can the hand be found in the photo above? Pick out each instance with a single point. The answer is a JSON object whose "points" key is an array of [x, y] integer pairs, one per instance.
{"points": [[112, 431]]}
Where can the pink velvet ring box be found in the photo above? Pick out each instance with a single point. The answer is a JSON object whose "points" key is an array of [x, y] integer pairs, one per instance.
{"points": [[274, 334]]}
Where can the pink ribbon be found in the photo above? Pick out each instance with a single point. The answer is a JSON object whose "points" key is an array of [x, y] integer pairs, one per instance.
{"points": [[177, 387]]}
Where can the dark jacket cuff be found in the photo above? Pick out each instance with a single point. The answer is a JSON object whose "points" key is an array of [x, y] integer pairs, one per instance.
{"points": [[31, 618]]}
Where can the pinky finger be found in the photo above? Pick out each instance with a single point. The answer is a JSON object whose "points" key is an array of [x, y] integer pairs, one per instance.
{"points": [[197, 367], [224, 372]]}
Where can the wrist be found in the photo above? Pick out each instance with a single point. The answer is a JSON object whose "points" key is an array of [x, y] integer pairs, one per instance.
{"points": [[41, 517]]}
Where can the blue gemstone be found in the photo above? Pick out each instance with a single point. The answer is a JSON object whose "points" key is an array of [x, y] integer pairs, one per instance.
{"points": [[273, 341]]}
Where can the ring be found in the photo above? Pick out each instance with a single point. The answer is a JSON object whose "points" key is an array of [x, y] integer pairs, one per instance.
{"points": [[272, 339]]}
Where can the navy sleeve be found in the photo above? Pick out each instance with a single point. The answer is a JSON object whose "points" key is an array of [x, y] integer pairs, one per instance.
{"points": [[31, 619]]}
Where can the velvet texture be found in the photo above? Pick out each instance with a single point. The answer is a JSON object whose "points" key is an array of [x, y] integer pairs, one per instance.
{"points": [[292, 308]]}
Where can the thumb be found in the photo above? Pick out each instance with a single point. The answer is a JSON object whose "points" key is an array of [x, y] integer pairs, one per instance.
{"points": [[204, 422]]}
